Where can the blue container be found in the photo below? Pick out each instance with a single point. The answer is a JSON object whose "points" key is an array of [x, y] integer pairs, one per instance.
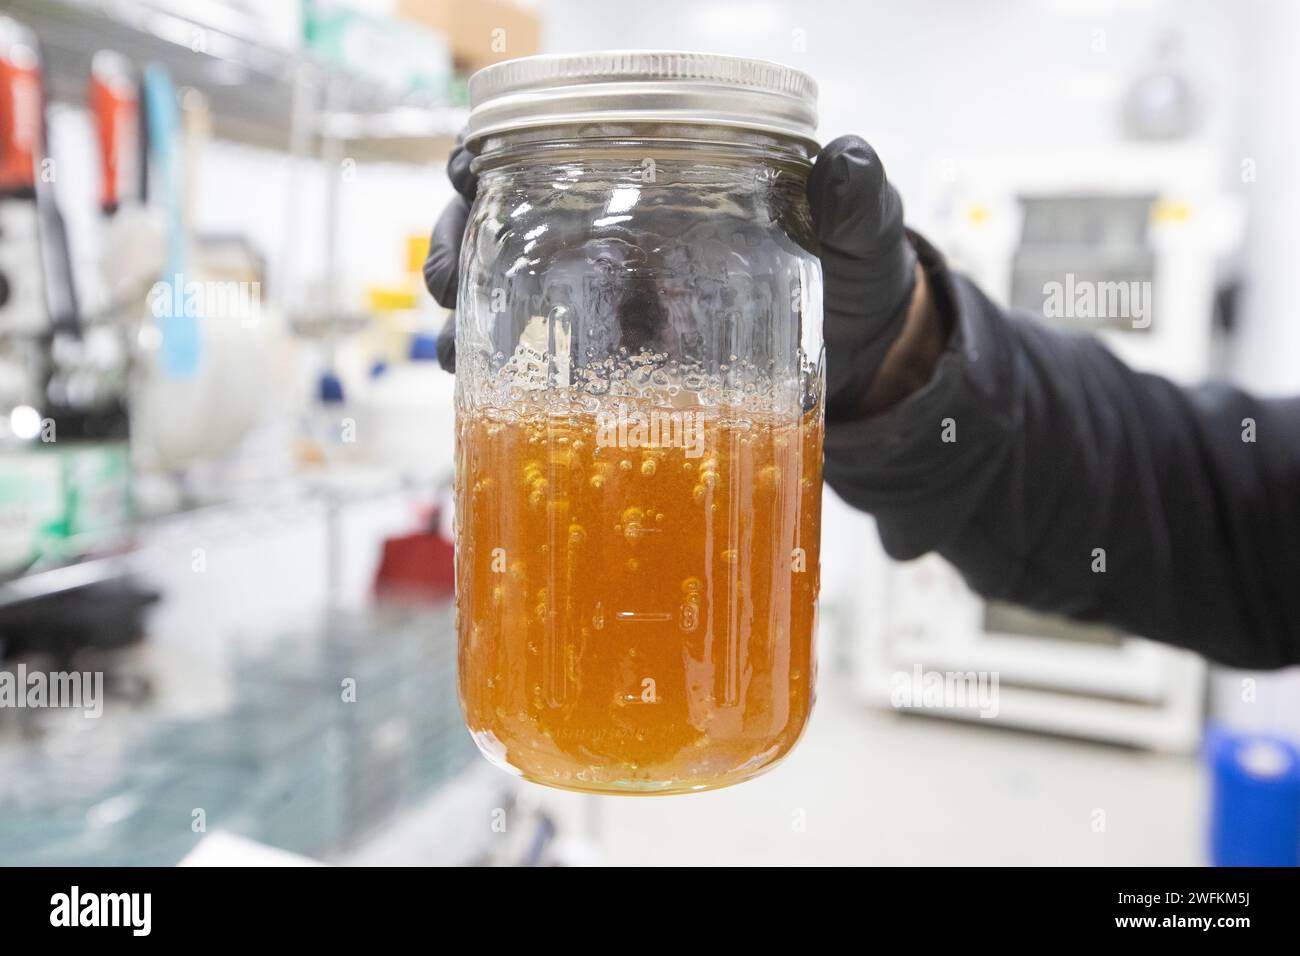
{"points": [[1255, 800]]}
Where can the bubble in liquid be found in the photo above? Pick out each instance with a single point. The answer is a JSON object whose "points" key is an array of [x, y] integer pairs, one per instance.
{"points": [[632, 523], [633, 564], [625, 465], [577, 534], [731, 556], [691, 584], [648, 467]]}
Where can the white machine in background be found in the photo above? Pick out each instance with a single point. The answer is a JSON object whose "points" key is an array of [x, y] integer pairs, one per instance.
{"points": [[1144, 213]]}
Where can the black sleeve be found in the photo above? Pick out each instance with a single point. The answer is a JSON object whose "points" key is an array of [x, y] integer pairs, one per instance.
{"points": [[1060, 449]]}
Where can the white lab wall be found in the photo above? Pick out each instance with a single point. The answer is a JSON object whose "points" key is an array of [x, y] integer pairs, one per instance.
{"points": [[1268, 348], [938, 77]]}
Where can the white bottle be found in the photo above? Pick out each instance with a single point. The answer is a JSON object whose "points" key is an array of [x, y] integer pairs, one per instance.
{"points": [[409, 420]]}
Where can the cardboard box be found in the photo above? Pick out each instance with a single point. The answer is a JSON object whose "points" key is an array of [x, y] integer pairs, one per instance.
{"points": [[480, 32]]}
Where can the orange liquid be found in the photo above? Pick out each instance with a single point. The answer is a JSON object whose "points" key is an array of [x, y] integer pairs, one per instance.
{"points": [[637, 619]]}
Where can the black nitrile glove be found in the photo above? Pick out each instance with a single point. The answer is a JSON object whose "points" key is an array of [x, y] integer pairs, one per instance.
{"points": [[868, 265], [442, 267]]}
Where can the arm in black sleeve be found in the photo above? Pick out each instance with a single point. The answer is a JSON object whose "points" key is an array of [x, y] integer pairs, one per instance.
{"points": [[1057, 449]]}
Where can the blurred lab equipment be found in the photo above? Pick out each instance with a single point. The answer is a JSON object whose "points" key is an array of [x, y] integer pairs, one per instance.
{"points": [[208, 340], [135, 247], [90, 628], [65, 477], [1160, 103], [179, 349], [24, 305], [406, 415], [421, 565]]}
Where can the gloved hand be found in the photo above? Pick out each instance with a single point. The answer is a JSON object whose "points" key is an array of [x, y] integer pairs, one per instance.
{"points": [[871, 280], [442, 266]]}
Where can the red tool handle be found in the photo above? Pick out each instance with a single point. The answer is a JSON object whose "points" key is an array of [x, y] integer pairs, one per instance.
{"points": [[115, 107], [22, 111]]}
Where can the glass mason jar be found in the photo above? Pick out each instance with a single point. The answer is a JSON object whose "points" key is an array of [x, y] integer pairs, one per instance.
{"points": [[639, 419]]}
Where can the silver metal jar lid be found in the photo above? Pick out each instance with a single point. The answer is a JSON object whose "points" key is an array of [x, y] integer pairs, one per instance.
{"points": [[642, 86]]}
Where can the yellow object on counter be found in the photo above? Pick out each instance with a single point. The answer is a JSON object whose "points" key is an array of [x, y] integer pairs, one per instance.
{"points": [[417, 248], [390, 299]]}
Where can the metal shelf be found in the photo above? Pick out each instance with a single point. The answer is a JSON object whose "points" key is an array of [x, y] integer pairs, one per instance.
{"points": [[61, 578], [250, 84], [113, 554]]}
